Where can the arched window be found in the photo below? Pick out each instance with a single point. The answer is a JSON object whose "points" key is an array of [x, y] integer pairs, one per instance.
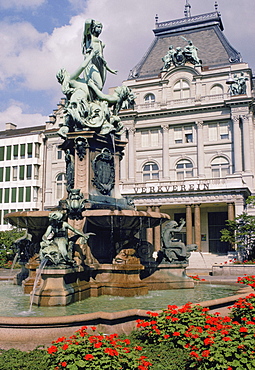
{"points": [[216, 90], [150, 171], [184, 169], [220, 167], [60, 185], [149, 99], [181, 89]]}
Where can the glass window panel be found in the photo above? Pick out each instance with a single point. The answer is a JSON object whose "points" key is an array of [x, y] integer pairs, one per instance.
{"points": [[219, 160], [1, 195], [1, 153], [189, 165], [189, 138], [185, 84], [180, 165], [29, 150], [6, 195], [177, 133], [1, 221], [224, 128], [14, 173], [154, 167], [59, 154], [215, 172], [28, 194], [146, 176], [1, 174], [14, 195], [149, 98], [5, 213], [145, 139], [21, 172], [154, 138], [8, 152], [212, 132], [180, 175], [15, 151], [22, 150], [7, 173], [177, 86], [21, 195], [29, 172], [155, 175]]}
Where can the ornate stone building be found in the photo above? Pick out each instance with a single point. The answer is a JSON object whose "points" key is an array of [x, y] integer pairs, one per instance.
{"points": [[190, 149]]}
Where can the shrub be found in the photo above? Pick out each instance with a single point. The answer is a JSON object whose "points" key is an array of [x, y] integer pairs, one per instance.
{"points": [[14, 359], [89, 351], [212, 342]]}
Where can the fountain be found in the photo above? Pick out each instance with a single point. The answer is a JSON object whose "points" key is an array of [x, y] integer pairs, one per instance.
{"points": [[93, 242]]}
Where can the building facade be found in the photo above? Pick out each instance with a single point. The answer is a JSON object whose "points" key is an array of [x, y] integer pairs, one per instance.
{"points": [[190, 149], [21, 170]]}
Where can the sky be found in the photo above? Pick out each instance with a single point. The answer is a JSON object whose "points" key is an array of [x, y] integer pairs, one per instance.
{"points": [[38, 37]]}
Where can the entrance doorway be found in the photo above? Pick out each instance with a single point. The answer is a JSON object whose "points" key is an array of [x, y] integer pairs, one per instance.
{"points": [[217, 222]]}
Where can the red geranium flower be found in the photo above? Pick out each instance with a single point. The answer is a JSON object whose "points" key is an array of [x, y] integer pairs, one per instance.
{"points": [[64, 364], [88, 357]]}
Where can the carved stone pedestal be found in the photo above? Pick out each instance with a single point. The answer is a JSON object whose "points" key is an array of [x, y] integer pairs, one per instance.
{"points": [[118, 280], [60, 287], [28, 283]]}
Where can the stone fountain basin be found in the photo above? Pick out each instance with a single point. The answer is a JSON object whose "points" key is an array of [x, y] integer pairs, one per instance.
{"points": [[27, 333], [36, 222], [128, 219]]}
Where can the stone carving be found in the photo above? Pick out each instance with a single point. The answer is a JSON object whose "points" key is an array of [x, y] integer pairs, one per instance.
{"points": [[55, 244], [103, 167], [126, 256], [24, 247], [87, 107], [174, 250], [237, 85], [75, 204], [179, 56], [80, 146], [69, 158]]}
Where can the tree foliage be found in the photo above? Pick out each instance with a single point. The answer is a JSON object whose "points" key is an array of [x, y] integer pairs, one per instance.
{"points": [[241, 231]]}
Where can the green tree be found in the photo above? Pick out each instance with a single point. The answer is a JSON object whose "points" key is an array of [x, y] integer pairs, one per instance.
{"points": [[7, 238], [241, 231]]}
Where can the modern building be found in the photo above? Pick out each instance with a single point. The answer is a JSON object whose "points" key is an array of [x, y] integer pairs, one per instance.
{"points": [[190, 149], [21, 170]]}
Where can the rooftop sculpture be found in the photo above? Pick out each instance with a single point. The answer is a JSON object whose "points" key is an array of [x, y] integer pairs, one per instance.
{"points": [[179, 56]]}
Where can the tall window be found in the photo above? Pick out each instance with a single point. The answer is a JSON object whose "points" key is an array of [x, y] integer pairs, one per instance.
{"points": [[150, 171], [29, 150], [60, 182], [28, 194], [14, 195], [15, 151], [150, 138], [21, 195], [183, 134], [59, 154], [8, 152], [29, 171], [220, 167], [181, 90], [218, 131], [149, 99], [14, 173], [6, 195], [7, 173], [1, 153], [1, 174], [184, 169], [22, 151], [21, 172]]}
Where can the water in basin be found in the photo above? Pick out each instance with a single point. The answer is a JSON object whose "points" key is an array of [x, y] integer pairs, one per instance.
{"points": [[13, 302]]}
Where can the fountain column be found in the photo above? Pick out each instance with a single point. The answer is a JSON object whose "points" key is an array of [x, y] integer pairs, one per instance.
{"points": [[189, 238], [157, 233], [149, 231], [197, 226]]}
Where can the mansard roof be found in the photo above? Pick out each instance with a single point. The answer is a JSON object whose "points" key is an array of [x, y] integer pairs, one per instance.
{"points": [[206, 33]]}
